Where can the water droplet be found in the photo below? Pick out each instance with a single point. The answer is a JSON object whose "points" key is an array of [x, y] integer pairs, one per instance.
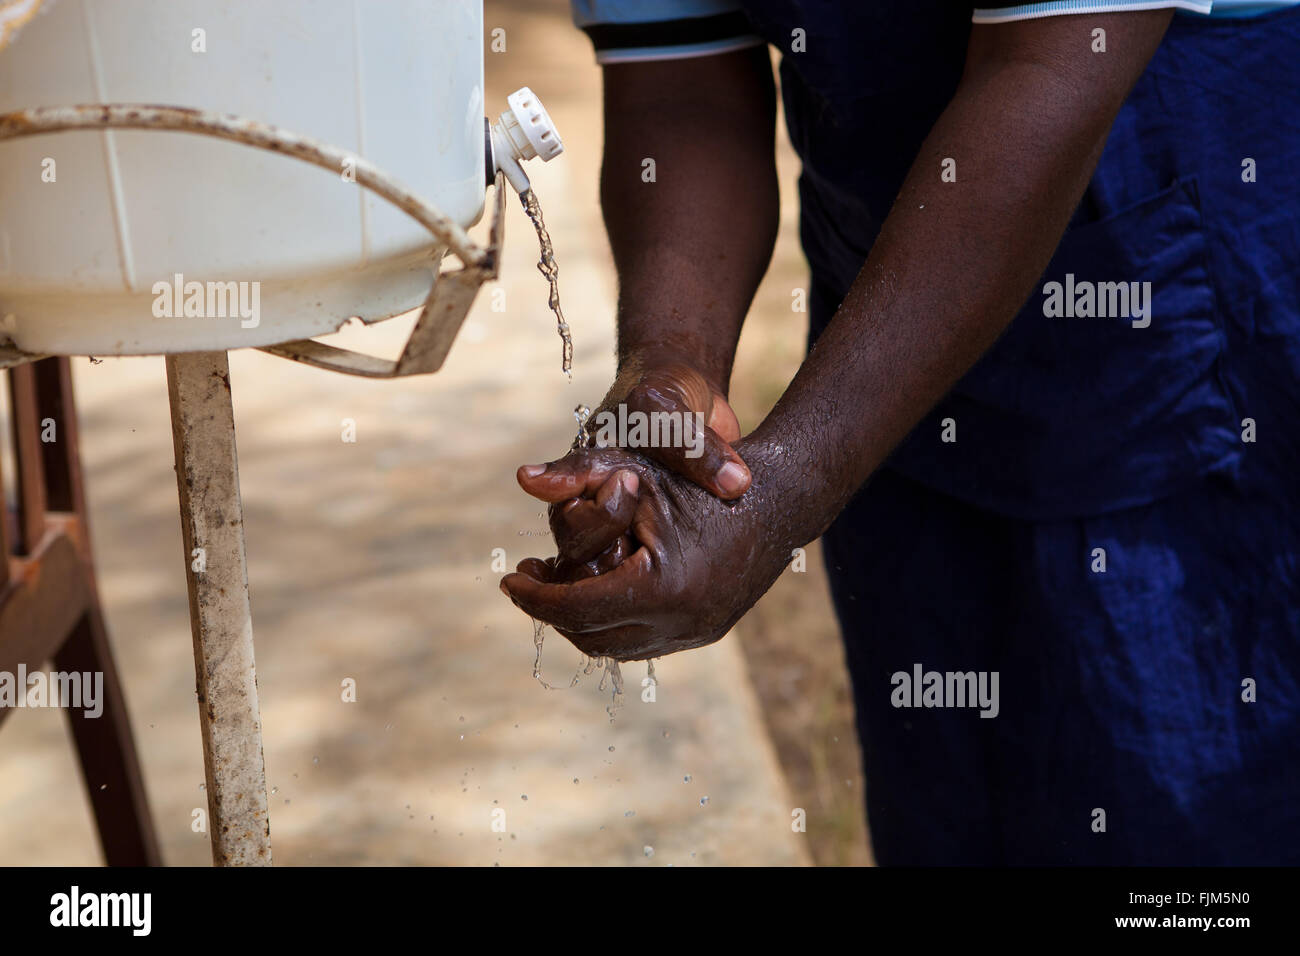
{"points": [[203, 786], [611, 748], [274, 791], [575, 779], [630, 813], [315, 760], [462, 718], [648, 850], [580, 414], [703, 800], [686, 779], [523, 796]]}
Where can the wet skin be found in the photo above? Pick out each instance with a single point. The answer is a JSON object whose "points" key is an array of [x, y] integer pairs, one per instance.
{"points": [[662, 563], [649, 563]]}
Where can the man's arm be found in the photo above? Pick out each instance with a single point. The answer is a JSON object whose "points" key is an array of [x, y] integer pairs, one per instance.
{"points": [[688, 187], [954, 262], [950, 269], [690, 246]]}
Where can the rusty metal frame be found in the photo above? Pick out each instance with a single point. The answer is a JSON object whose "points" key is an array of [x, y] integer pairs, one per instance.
{"points": [[435, 330], [221, 621], [50, 608], [449, 299], [207, 463]]}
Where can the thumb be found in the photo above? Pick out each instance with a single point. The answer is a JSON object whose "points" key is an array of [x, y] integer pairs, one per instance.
{"points": [[674, 409]]}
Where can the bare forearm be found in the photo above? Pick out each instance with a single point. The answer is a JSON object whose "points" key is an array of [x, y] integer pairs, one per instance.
{"points": [[692, 234], [953, 264]]}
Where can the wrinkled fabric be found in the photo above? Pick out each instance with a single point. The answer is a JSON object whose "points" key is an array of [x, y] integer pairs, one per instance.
{"points": [[1122, 736]]}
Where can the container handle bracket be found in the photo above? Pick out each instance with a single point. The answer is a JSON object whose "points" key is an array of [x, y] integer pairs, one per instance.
{"points": [[449, 299]]}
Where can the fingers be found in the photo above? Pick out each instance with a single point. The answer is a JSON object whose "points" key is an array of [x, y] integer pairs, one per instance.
{"points": [[591, 604], [674, 418], [705, 460], [578, 474], [614, 555], [586, 527], [564, 571], [723, 420], [537, 568]]}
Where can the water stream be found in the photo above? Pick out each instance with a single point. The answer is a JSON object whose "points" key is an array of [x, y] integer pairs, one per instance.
{"points": [[547, 267]]}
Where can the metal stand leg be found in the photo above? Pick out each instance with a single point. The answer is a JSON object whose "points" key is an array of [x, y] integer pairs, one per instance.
{"points": [[212, 524], [49, 605]]}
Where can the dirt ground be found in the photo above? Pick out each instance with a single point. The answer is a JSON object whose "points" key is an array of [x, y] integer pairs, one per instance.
{"points": [[371, 560]]}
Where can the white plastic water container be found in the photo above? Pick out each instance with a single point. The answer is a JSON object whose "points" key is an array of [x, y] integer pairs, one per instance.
{"points": [[399, 82]]}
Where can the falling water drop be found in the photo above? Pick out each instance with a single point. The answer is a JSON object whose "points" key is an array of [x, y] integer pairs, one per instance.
{"points": [[616, 679]]}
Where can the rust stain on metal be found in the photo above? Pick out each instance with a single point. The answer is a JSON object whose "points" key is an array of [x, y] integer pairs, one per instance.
{"points": [[430, 341], [208, 479], [54, 119]]}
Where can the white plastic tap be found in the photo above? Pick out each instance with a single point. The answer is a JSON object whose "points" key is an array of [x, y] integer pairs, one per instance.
{"points": [[524, 130]]}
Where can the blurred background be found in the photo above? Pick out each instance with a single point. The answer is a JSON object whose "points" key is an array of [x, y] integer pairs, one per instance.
{"points": [[372, 561]]}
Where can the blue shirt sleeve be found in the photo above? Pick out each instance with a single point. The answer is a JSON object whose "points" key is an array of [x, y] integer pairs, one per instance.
{"points": [[625, 31], [990, 11]]}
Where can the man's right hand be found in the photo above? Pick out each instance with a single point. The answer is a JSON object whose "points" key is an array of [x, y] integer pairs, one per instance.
{"points": [[652, 387]]}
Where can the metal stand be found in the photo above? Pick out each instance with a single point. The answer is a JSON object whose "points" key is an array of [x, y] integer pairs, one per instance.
{"points": [[45, 607], [212, 525], [49, 605]]}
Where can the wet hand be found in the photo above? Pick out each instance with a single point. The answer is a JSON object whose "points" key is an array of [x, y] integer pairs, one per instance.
{"points": [[646, 388], [649, 563]]}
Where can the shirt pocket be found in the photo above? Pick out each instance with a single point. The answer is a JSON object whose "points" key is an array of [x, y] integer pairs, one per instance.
{"points": [[1076, 413]]}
